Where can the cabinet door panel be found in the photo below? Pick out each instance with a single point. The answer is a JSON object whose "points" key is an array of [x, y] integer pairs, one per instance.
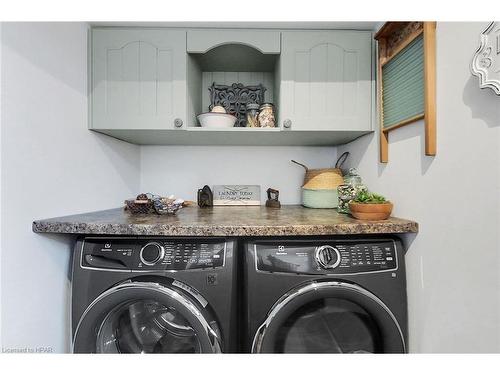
{"points": [[326, 80], [138, 78]]}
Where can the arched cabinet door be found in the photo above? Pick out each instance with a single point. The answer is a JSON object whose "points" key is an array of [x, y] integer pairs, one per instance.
{"points": [[327, 80], [264, 41], [138, 78]]}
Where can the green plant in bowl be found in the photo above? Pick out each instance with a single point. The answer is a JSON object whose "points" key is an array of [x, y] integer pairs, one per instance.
{"points": [[370, 206], [368, 197]]}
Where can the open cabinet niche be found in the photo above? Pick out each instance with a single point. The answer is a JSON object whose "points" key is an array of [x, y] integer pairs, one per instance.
{"points": [[225, 65]]}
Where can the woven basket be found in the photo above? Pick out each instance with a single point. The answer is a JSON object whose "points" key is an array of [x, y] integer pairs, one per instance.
{"points": [[321, 179], [326, 178]]}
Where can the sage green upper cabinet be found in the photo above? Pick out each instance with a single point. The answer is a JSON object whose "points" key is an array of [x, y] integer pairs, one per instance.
{"points": [[326, 80], [138, 79], [265, 41], [147, 85]]}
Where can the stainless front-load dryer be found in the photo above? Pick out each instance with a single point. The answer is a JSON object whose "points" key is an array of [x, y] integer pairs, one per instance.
{"points": [[325, 295], [154, 295]]}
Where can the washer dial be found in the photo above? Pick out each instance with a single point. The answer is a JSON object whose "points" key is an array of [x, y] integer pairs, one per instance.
{"points": [[327, 257], [152, 253]]}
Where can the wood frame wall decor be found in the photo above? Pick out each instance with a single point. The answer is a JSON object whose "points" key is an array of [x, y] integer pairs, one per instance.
{"points": [[393, 38]]}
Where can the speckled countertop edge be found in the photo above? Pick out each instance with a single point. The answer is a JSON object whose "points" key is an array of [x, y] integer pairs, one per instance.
{"points": [[223, 221]]}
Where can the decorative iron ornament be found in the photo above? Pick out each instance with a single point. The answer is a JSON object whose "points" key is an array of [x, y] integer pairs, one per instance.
{"points": [[234, 99], [486, 61]]}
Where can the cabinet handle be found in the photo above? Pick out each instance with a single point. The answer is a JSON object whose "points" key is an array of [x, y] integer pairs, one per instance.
{"points": [[178, 123], [287, 123]]}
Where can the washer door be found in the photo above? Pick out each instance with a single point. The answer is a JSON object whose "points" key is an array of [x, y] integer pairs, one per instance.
{"points": [[329, 317], [146, 317]]}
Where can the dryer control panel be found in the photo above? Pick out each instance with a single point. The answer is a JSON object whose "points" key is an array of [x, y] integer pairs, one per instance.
{"points": [[326, 258], [152, 254]]}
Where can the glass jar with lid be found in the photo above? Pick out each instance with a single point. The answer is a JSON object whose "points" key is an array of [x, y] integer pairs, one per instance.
{"points": [[252, 115], [352, 185], [266, 116]]}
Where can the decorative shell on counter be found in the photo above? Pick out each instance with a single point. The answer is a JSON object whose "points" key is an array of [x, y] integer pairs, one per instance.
{"points": [[167, 206]]}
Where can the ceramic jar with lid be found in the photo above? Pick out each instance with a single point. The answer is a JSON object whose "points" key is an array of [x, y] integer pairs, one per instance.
{"points": [[266, 116], [252, 115], [352, 185]]}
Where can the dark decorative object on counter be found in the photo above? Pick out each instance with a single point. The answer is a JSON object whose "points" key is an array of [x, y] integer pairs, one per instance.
{"points": [[205, 197], [141, 205], [272, 198], [234, 99]]}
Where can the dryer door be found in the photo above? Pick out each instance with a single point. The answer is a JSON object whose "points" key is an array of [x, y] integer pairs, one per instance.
{"points": [[329, 317], [146, 317]]}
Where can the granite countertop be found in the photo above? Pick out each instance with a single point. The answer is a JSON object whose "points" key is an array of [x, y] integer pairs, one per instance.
{"points": [[223, 221]]}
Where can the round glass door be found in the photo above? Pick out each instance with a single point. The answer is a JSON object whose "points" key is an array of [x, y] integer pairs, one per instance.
{"points": [[329, 325], [146, 326], [145, 317], [329, 317]]}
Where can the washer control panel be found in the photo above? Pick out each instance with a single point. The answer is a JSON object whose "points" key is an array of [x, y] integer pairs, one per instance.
{"points": [[326, 258], [136, 254]]}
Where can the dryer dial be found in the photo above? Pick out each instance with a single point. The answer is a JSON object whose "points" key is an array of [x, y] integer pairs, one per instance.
{"points": [[327, 257], [152, 253]]}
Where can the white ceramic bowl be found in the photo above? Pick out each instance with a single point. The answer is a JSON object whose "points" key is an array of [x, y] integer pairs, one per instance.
{"points": [[216, 120]]}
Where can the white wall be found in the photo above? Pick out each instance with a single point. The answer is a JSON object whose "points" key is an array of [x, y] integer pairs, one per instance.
{"points": [[51, 166], [453, 263], [182, 170]]}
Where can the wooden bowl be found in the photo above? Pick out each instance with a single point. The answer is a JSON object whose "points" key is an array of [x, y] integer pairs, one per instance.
{"points": [[371, 211]]}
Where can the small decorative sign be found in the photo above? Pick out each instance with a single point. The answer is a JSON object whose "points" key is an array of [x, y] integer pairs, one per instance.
{"points": [[236, 195]]}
